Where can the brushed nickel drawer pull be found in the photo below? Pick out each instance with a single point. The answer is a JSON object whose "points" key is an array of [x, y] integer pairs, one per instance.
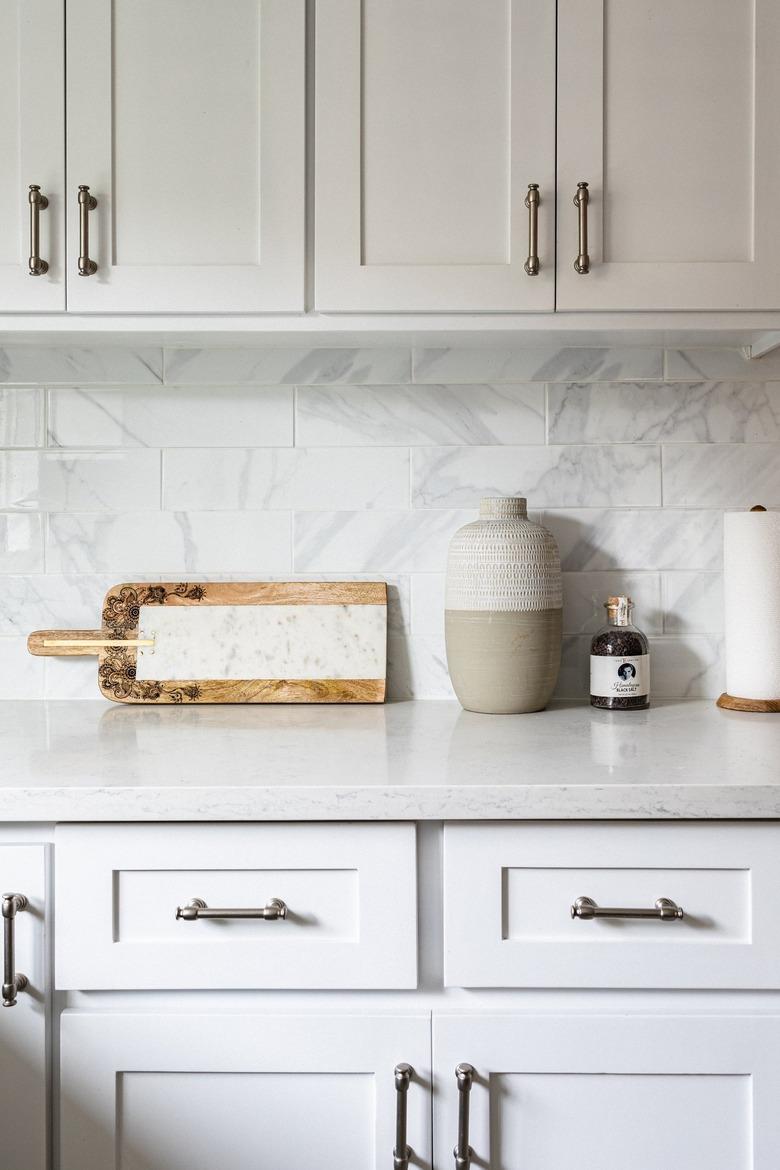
{"points": [[532, 203], [464, 1075], [197, 908], [87, 203], [38, 203], [401, 1153], [581, 201], [665, 909], [12, 982]]}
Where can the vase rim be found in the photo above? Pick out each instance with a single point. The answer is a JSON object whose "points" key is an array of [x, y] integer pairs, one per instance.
{"points": [[504, 506]]}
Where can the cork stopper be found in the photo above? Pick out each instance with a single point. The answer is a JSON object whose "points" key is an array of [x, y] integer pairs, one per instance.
{"points": [[619, 610], [504, 507]]}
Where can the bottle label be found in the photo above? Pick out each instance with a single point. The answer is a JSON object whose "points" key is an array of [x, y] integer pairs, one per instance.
{"points": [[612, 677]]}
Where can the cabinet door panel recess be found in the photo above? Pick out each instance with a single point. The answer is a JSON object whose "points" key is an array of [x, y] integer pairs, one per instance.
{"points": [[431, 121]]}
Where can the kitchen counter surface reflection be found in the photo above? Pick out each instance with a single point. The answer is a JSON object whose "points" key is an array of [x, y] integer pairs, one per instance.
{"points": [[70, 761]]}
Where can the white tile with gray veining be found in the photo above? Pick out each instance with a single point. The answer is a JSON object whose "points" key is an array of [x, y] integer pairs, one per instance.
{"points": [[721, 476], [134, 544], [308, 478], [535, 364], [74, 365], [452, 477], [692, 602], [418, 415], [21, 417], [399, 542], [417, 668], [185, 417], [645, 412], [290, 367], [79, 480], [651, 538], [584, 595], [714, 363], [21, 675], [21, 542]]}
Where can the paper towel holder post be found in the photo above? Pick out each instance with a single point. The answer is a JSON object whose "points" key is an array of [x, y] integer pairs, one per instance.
{"points": [[732, 702]]}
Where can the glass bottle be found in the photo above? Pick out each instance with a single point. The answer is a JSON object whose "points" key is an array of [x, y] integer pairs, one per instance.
{"points": [[619, 661]]}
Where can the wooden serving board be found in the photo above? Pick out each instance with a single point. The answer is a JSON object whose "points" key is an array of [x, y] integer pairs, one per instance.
{"points": [[235, 642]]}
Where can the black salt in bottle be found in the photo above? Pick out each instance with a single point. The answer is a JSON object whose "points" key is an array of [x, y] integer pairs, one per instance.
{"points": [[619, 661]]}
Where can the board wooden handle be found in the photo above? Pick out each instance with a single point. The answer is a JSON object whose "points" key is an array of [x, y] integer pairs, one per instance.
{"points": [[77, 643]]}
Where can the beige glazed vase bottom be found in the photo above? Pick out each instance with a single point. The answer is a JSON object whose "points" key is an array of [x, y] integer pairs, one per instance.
{"points": [[503, 663]]}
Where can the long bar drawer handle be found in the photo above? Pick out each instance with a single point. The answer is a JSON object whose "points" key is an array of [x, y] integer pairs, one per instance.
{"points": [[581, 200], [402, 1152], [87, 203], [665, 909], [12, 982], [197, 908], [532, 201], [464, 1075], [38, 203]]}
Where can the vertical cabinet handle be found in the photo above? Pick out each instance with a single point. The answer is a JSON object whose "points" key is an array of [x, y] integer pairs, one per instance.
{"points": [[12, 983], [401, 1153], [87, 203], [532, 203], [464, 1075], [581, 200], [38, 203]]}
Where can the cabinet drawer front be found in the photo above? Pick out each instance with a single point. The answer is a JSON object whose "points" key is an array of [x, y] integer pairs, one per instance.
{"points": [[509, 890], [350, 893]]}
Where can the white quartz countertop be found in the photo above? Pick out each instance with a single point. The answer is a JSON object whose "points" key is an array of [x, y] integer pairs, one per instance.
{"points": [[67, 761]]}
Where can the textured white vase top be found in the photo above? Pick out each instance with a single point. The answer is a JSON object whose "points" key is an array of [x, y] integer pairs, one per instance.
{"points": [[503, 561]]}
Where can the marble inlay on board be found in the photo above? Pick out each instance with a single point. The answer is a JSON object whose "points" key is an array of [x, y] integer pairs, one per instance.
{"points": [[537, 364], [263, 642], [419, 415], [104, 364], [721, 475], [289, 367]]}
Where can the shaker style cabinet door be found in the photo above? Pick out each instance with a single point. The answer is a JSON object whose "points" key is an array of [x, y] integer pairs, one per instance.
{"points": [[194, 1092], [186, 123], [668, 110], [24, 1119], [609, 1092], [32, 155], [431, 121]]}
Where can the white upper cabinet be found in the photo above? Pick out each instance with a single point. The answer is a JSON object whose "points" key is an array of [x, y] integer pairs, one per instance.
{"points": [[431, 121], [32, 152], [186, 122], [668, 109]]}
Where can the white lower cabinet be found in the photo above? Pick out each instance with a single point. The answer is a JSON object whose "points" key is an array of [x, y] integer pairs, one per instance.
{"points": [[607, 1092], [169, 1091]]}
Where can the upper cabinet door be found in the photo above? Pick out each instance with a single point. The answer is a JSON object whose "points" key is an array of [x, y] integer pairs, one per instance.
{"points": [[432, 119], [32, 153], [186, 122], [668, 109]]}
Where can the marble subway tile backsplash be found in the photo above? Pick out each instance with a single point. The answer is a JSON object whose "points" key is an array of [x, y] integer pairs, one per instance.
{"points": [[124, 462]]}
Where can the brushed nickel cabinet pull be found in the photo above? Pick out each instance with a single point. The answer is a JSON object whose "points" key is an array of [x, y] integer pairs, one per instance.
{"points": [[12, 982], [38, 203], [532, 203], [464, 1075], [196, 908], [581, 200], [87, 203], [401, 1153], [665, 910]]}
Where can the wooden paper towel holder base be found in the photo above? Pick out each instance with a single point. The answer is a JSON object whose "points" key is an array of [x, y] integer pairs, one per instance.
{"points": [[732, 703]]}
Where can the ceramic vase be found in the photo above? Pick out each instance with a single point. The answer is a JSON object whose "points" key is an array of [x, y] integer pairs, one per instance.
{"points": [[503, 610]]}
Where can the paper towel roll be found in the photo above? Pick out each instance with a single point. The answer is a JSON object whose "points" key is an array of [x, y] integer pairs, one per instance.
{"points": [[751, 586]]}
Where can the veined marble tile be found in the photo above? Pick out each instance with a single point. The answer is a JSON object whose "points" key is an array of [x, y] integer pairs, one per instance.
{"points": [[395, 542], [452, 477], [681, 412], [288, 367], [689, 666], [184, 417], [21, 417], [418, 415], [104, 364], [652, 538], [417, 669], [21, 542], [70, 678], [584, 595], [537, 364], [309, 478], [255, 543], [711, 364], [721, 476], [21, 675], [574, 675], [692, 603], [428, 604], [80, 480]]}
